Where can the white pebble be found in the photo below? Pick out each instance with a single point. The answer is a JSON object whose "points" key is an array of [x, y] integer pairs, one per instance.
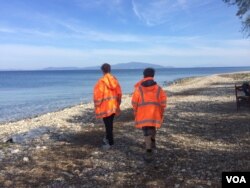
{"points": [[44, 147], [26, 159], [15, 151]]}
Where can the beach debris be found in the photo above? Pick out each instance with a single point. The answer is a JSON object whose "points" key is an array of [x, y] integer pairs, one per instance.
{"points": [[6, 140], [9, 140], [68, 174], [30, 135]]}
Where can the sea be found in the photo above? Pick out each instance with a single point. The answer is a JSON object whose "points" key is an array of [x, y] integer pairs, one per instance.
{"points": [[25, 94]]}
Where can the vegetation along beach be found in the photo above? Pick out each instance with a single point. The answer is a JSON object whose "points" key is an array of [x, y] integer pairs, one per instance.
{"points": [[202, 135]]}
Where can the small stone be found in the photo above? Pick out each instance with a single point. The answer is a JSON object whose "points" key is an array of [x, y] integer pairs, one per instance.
{"points": [[44, 148], [88, 163], [68, 174], [15, 151], [60, 179], [176, 185], [8, 183], [38, 147], [95, 153], [209, 183], [26, 159], [77, 172]]}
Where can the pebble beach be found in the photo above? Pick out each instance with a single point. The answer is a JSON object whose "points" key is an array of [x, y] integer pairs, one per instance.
{"points": [[202, 136]]}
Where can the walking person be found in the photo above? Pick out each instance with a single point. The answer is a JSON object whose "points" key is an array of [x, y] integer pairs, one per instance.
{"points": [[107, 100], [149, 102]]}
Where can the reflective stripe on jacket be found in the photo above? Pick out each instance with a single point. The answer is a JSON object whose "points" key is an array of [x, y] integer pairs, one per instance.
{"points": [[107, 96], [148, 104]]}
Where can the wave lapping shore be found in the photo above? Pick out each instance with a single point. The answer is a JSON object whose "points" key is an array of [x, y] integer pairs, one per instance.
{"points": [[202, 136]]}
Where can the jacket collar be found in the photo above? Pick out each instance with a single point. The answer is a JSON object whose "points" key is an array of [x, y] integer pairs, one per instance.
{"points": [[143, 80]]}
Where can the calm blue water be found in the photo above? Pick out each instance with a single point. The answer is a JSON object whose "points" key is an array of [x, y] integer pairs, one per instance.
{"points": [[28, 93]]}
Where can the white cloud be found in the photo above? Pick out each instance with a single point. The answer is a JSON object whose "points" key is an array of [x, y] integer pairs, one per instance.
{"points": [[152, 12], [6, 30], [74, 33], [26, 31], [163, 11], [157, 12]]}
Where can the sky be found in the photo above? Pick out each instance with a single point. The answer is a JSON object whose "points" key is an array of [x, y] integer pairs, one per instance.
{"points": [[81, 33]]}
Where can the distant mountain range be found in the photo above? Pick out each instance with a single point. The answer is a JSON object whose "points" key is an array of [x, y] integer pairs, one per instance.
{"points": [[130, 65], [62, 68]]}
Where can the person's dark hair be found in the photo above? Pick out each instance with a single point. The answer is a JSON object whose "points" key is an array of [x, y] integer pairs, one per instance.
{"points": [[148, 72], [106, 68]]}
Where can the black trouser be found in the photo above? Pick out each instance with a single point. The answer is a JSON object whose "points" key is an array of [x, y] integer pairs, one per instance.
{"points": [[149, 131], [108, 121]]}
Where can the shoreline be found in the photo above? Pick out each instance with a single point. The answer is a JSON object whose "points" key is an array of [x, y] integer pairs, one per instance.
{"points": [[71, 106], [165, 85], [49, 112]]}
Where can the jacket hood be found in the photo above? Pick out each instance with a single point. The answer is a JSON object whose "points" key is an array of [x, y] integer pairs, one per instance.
{"points": [[149, 84], [110, 81], [146, 82]]}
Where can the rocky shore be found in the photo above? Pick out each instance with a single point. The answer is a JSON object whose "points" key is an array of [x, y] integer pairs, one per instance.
{"points": [[202, 135]]}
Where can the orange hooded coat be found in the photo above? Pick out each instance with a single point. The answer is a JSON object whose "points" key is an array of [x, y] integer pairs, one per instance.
{"points": [[148, 104], [107, 96]]}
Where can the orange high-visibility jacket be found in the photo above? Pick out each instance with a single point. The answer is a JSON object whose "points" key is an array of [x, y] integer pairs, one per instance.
{"points": [[107, 96], [148, 103]]}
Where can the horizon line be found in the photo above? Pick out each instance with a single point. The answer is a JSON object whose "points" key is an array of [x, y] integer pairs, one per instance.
{"points": [[90, 68]]}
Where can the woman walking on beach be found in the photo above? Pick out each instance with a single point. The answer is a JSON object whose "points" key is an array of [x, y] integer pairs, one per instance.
{"points": [[107, 100], [149, 102]]}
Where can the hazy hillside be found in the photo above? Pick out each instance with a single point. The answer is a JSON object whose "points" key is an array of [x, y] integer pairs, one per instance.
{"points": [[130, 65], [61, 68]]}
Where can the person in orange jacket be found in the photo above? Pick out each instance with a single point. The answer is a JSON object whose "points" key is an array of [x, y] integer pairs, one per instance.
{"points": [[107, 100], [149, 102]]}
